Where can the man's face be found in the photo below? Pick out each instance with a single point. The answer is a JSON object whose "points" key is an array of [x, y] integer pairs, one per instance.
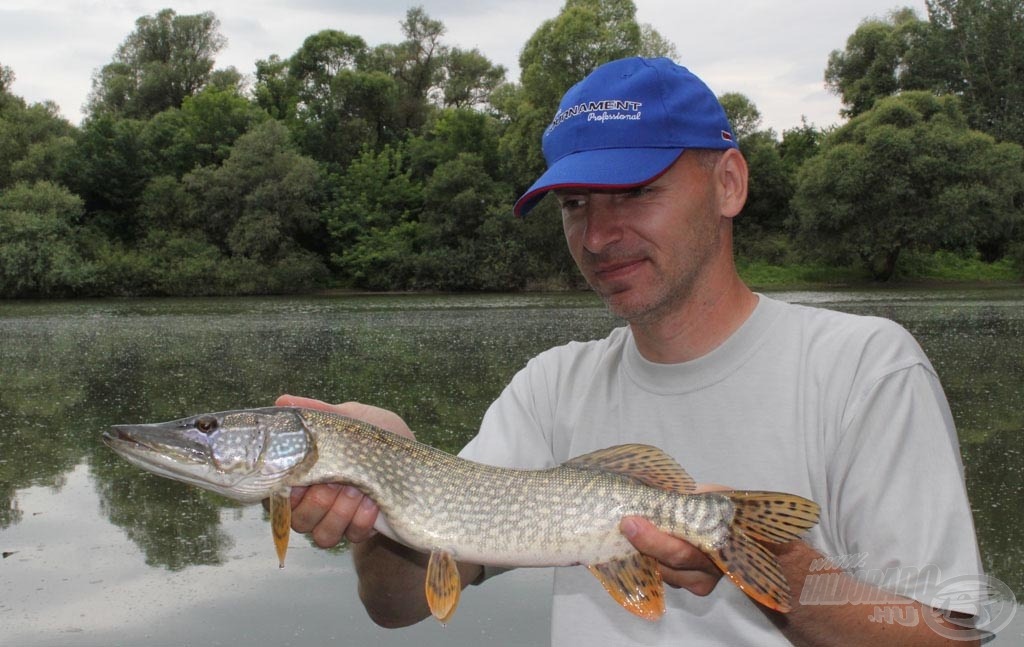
{"points": [[646, 250]]}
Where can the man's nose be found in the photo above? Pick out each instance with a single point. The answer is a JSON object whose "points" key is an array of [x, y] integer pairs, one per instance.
{"points": [[603, 225]]}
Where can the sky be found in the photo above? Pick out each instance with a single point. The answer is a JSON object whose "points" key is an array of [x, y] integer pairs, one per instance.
{"points": [[772, 51]]}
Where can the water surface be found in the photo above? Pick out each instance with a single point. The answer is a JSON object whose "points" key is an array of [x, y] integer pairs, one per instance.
{"points": [[98, 553]]}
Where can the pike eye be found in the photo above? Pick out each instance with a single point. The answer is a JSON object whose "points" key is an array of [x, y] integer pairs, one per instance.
{"points": [[206, 425]]}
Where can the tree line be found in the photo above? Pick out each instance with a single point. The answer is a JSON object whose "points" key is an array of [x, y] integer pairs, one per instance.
{"points": [[394, 167]]}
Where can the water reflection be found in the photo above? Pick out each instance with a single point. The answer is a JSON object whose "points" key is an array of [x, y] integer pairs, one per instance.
{"points": [[68, 370]]}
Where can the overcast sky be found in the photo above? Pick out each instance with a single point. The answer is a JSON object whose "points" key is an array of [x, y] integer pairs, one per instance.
{"points": [[773, 51]]}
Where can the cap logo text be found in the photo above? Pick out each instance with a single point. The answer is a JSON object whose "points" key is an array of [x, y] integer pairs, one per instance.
{"points": [[623, 108]]}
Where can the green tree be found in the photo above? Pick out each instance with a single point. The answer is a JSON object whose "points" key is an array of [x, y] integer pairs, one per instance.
{"points": [[261, 208], [456, 254], [35, 141], [166, 59], [109, 170], [907, 174], [566, 48], [417, 65], [38, 255], [973, 49], [469, 78], [875, 57], [340, 106], [744, 117], [276, 90], [200, 133], [985, 40], [372, 219]]}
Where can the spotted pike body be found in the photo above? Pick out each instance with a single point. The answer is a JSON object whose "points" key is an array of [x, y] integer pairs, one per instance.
{"points": [[458, 510]]}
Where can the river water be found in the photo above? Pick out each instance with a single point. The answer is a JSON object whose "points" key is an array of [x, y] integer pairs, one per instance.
{"points": [[96, 552]]}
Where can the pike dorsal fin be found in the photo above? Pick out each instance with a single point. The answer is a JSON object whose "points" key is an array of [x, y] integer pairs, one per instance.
{"points": [[644, 463]]}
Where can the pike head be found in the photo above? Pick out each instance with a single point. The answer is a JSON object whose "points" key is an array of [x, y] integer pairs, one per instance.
{"points": [[243, 455]]}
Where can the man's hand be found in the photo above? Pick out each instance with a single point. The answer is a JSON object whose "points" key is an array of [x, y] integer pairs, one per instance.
{"points": [[683, 565], [331, 511]]}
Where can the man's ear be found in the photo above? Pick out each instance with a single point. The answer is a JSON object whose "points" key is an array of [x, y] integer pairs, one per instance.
{"points": [[731, 176]]}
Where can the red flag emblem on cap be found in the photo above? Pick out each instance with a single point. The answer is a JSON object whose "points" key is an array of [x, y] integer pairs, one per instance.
{"points": [[726, 135]]}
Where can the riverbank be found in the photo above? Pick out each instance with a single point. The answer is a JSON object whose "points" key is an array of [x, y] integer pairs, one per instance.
{"points": [[937, 270]]}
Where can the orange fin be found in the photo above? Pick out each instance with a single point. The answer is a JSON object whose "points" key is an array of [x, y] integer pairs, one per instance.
{"points": [[443, 586], [644, 463], [772, 516], [754, 570], [281, 522], [635, 583]]}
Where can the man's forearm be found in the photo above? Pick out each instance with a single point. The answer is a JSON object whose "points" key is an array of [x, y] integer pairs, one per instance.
{"points": [[391, 578], [820, 625]]}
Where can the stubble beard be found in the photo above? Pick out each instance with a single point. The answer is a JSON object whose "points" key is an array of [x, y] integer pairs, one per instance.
{"points": [[670, 290]]}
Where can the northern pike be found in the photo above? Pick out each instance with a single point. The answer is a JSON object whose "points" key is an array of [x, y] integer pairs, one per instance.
{"points": [[455, 509]]}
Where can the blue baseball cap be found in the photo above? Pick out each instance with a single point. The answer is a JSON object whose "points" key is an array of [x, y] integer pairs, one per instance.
{"points": [[625, 124]]}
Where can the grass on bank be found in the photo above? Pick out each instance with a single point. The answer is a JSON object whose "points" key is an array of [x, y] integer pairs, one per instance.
{"points": [[913, 268]]}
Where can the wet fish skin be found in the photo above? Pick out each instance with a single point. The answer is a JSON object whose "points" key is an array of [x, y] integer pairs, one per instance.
{"points": [[461, 510]]}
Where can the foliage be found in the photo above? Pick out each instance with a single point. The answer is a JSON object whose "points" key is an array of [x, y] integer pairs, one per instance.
{"points": [[34, 140], [907, 174], [260, 206], [973, 49], [878, 60], [394, 166], [986, 38], [165, 60], [38, 255]]}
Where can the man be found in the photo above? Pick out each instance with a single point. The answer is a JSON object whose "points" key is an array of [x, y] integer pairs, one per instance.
{"points": [[740, 388]]}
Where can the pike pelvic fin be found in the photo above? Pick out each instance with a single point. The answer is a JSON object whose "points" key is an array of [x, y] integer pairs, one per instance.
{"points": [[771, 517], [635, 583], [643, 463], [443, 585], [281, 521]]}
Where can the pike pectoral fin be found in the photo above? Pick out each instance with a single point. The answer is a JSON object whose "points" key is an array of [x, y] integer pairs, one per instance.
{"points": [[281, 521], [443, 585], [635, 583]]}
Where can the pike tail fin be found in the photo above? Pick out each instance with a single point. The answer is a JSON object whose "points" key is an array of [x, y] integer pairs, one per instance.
{"points": [[770, 517]]}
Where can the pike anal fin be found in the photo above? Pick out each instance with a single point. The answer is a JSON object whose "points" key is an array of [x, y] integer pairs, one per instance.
{"points": [[281, 521], [443, 585], [635, 583]]}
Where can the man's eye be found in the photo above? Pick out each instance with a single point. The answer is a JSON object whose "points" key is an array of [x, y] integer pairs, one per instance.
{"points": [[572, 203], [638, 191]]}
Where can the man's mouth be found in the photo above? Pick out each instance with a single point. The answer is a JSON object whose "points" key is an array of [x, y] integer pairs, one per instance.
{"points": [[616, 269]]}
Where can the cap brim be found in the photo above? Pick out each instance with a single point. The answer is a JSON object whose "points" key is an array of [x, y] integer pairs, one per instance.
{"points": [[610, 168]]}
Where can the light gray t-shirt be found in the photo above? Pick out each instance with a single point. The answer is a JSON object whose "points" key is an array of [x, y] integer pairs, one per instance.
{"points": [[842, 409]]}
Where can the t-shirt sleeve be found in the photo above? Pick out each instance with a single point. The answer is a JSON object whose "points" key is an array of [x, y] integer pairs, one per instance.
{"points": [[896, 483]]}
